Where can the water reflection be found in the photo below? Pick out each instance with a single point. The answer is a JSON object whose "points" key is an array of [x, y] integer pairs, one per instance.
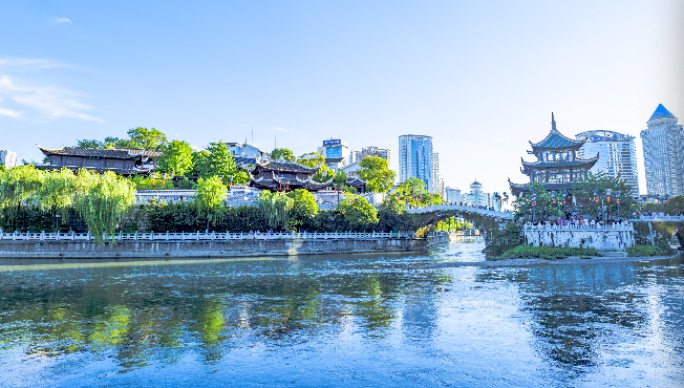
{"points": [[341, 320]]}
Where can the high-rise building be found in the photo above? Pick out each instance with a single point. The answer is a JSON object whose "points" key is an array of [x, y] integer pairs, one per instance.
{"points": [[453, 195], [415, 159], [8, 159], [337, 153], [436, 179], [617, 155], [476, 197], [375, 151], [663, 143]]}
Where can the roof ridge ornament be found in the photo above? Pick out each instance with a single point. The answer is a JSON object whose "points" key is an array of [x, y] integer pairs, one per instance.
{"points": [[553, 123]]}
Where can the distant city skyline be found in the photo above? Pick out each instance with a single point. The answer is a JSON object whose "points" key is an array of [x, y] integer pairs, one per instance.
{"points": [[480, 78]]}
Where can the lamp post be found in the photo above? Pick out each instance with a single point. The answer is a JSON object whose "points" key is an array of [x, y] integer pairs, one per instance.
{"points": [[597, 196], [617, 200], [533, 198]]}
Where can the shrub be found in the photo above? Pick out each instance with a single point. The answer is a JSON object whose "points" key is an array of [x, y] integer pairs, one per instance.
{"points": [[547, 253], [644, 250]]}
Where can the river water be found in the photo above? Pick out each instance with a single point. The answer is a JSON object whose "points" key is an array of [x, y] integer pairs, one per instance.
{"points": [[341, 321]]}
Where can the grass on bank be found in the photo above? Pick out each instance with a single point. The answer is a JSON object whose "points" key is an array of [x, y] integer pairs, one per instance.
{"points": [[547, 253], [644, 250]]}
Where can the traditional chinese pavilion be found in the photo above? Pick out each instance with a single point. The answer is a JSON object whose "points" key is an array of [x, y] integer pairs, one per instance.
{"points": [[122, 161], [284, 175], [557, 164]]}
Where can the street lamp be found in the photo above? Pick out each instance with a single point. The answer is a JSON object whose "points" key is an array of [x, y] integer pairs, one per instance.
{"points": [[533, 198], [617, 199]]}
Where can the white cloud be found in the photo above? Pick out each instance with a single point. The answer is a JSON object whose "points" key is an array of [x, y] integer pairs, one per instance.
{"points": [[282, 129], [45, 101], [62, 20], [9, 112], [25, 63]]}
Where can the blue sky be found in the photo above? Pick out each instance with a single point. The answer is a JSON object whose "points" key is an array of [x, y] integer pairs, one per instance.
{"points": [[482, 78]]}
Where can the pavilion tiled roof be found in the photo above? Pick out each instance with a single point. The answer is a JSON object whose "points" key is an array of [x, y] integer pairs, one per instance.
{"points": [[283, 165], [104, 153], [118, 171], [556, 140], [585, 163]]}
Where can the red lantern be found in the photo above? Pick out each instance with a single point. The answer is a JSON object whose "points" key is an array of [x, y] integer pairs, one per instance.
{"points": [[618, 201], [554, 201], [596, 200], [608, 199]]}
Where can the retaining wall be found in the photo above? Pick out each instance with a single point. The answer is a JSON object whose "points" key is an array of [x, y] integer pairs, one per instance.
{"points": [[615, 237], [191, 249]]}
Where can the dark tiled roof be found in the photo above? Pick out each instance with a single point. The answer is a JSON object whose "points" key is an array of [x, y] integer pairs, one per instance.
{"points": [[145, 153], [562, 163], [120, 171], [285, 166], [75, 151], [556, 140], [522, 188]]}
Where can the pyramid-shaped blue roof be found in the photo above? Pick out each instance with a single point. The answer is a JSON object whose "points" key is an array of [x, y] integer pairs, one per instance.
{"points": [[660, 112]]}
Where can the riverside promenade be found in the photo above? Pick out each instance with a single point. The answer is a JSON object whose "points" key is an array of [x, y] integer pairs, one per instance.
{"points": [[202, 245]]}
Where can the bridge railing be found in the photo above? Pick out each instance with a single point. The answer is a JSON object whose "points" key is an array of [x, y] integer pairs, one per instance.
{"points": [[658, 218], [465, 209], [198, 236]]}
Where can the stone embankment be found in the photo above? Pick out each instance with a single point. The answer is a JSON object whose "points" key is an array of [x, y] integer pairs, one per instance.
{"points": [[609, 237], [203, 245]]}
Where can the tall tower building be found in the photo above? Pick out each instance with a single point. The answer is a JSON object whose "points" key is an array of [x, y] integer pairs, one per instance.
{"points": [[415, 159], [8, 159], [617, 155], [436, 179], [663, 143], [375, 151]]}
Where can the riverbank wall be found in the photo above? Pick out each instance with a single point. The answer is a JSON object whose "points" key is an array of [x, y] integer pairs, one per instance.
{"points": [[204, 249], [611, 237]]}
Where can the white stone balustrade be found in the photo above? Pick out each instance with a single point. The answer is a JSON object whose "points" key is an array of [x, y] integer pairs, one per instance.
{"points": [[464, 209], [212, 236], [602, 237]]}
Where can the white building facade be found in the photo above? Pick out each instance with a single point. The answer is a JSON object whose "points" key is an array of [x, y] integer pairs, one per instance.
{"points": [[476, 197], [663, 143], [8, 159], [336, 153], [617, 155], [416, 159], [375, 151], [453, 196]]}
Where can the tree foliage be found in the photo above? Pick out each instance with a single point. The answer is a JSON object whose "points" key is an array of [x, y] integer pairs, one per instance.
{"points": [[276, 206], [375, 171], [176, 159], [358, 213], [544, 209], [103, 200], [304, 208], [324, 174], [311, 159], [606, 187], [284, 153]]}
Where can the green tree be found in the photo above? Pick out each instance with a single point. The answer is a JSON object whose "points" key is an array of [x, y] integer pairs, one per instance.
{"points": [[358, 213], [222, 163], [210, 195], [276, 207], [375, 171], [89, 143], [311, 159], [241, 177], [544, 209], [20, 185], [304, 208], [675, 205], [340, 180], [201, 163], [605, 186], [323, 174], [143, 138], [285, 153], [176, 159], [57, 192], [103, 201]]}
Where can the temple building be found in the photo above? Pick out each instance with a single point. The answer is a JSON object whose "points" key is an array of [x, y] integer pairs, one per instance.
{"points": [[122, 161], [557, 165], [284, 175]]}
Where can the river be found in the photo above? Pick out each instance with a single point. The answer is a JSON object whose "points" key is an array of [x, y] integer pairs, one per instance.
{"points": [[341, 321]]}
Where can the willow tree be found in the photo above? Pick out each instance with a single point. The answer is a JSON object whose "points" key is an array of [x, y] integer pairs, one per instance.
{"points": [[209, 197], [103, 201], [276, 208], [20, 185], [57, 192]]}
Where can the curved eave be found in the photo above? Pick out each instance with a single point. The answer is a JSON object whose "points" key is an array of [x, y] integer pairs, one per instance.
{"points": [[578, 164], [49, 150]]}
